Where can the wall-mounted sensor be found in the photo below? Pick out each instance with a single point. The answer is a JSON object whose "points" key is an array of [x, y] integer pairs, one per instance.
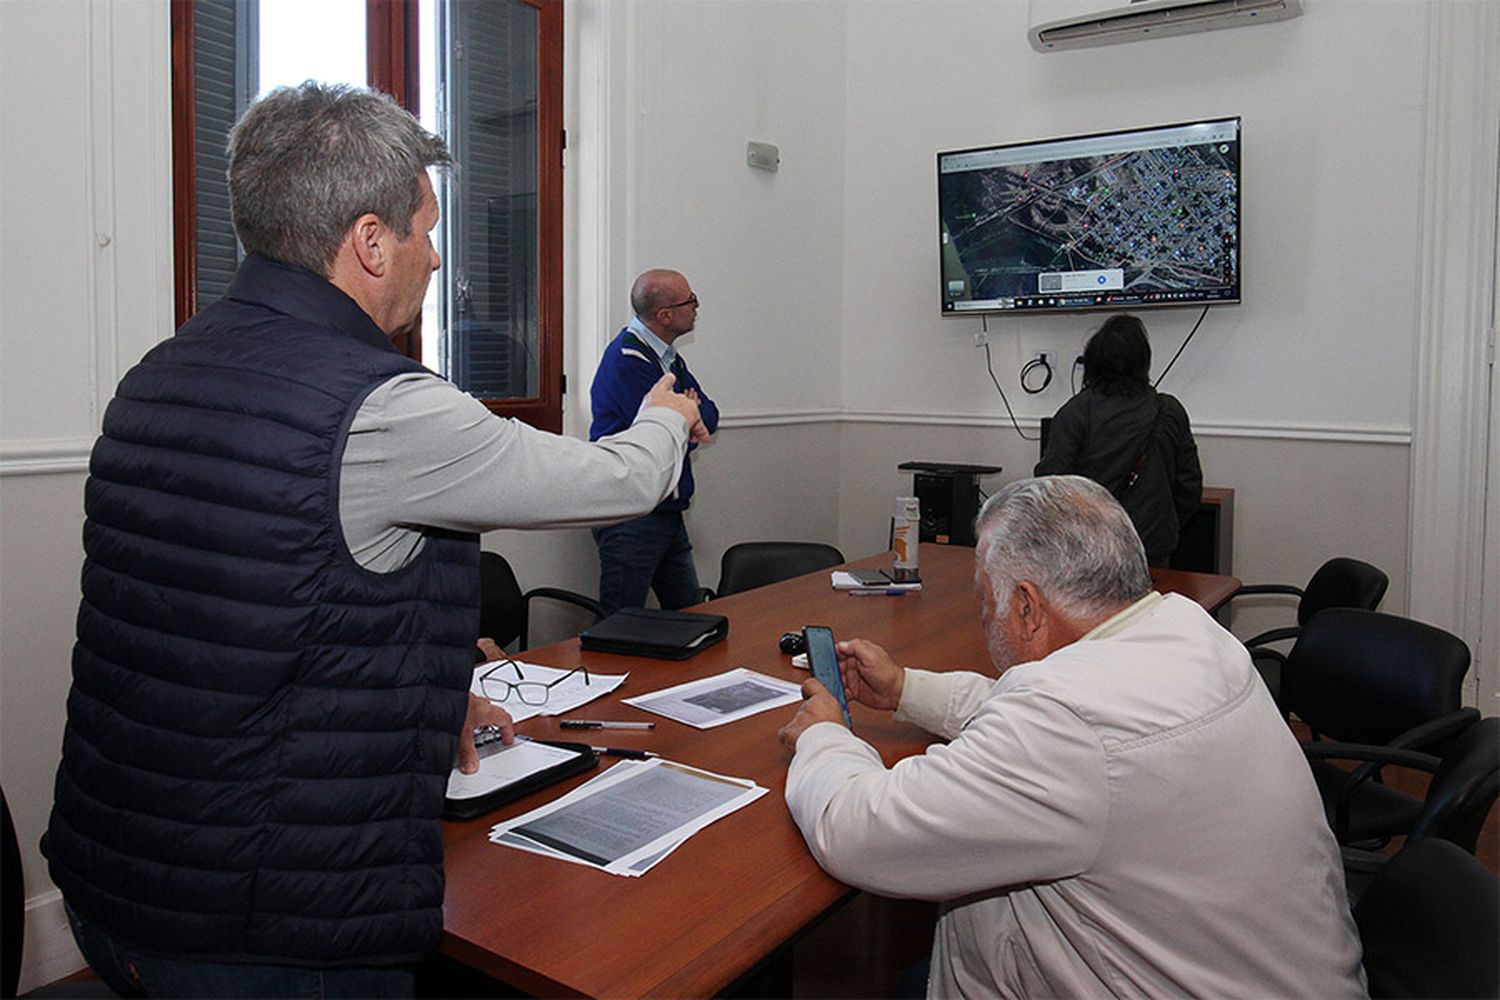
{"points": [[763, 156]]}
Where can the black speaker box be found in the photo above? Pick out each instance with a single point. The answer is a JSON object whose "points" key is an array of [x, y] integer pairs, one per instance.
{"points": [[949, 505]]}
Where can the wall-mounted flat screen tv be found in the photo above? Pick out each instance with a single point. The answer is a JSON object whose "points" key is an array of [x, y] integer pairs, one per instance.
{"points": [[1145, 217]]}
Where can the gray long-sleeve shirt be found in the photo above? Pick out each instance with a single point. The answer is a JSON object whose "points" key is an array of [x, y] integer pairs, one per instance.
{"points": [[422, 454]]}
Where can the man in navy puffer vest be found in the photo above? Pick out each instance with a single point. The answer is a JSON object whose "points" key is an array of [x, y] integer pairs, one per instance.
{"points": [[281, 587]]}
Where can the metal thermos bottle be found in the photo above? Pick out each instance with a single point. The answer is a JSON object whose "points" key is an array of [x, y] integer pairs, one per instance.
{"points": [[906, 521]]}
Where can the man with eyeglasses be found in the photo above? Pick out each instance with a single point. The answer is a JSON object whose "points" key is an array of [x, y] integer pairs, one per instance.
{"points": [[651, 552]]}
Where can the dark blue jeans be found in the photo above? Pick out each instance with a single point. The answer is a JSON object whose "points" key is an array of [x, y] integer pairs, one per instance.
{"points": [[134, 974], [651, 552]]}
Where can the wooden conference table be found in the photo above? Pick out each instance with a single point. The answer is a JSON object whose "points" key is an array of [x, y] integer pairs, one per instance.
{"points": [[742, 888]]}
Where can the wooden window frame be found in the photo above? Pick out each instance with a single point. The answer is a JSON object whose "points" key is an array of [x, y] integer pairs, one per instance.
{"points": [[392, 66]]}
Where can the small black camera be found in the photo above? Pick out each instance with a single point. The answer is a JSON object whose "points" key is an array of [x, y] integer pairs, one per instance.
{"points": [[792, 643]]}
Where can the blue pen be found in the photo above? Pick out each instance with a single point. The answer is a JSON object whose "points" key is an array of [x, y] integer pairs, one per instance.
{"points": [[891, 592]]}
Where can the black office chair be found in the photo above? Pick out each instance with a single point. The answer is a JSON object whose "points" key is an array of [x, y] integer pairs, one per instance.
{"points": [[748, 565], [13, 907], [1429, 922], [1460, 794], [1363, 677], [1338, 583], [505, 611]]}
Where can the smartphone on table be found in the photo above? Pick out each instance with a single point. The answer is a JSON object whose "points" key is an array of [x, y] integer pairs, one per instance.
{"points": [[823, 660]]}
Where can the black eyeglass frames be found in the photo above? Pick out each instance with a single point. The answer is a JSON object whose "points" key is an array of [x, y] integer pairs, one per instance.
{"points": [[498, 689]]}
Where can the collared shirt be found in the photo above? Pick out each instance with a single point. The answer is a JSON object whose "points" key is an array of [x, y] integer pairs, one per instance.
{"points": [[665, 352], [1121, 620]]}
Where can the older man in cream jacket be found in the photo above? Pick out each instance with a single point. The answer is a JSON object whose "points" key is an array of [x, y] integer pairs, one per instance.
{"points": [[1122, 813]]}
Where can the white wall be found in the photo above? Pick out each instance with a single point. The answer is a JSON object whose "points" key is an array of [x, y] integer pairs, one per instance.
{"points": [[85, 289], [1332, 104], [1317, 360]]}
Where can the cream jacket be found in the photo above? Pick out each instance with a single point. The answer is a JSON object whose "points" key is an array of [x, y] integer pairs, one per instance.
{"points": [[1128, 816]]}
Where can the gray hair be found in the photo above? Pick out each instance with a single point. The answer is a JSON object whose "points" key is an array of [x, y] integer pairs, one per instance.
{"points": [[651, 291], [305, 162], [1069, 537]]}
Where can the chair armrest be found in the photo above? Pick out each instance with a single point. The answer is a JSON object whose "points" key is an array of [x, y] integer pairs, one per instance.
{"points": [[1251, 589], [1375, 757], [1274, 675], [1436, 735], [1266, 653], [1431, 735], [556, 594], [1274, 635], [1331, 750]]}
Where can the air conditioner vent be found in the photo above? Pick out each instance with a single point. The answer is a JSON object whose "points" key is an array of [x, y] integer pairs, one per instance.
{"points": [[1111, 23]]}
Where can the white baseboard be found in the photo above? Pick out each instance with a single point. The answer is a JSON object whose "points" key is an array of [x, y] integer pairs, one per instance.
{"points": [[50, 954]]}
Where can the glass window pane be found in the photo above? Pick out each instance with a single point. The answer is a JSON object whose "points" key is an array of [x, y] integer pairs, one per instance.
{"points": [[488, 100], [223, 81], [428, 63], [312, 40]]}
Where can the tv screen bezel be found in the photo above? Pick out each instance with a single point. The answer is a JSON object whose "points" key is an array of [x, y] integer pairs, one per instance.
{"points": [[1117, 305]]}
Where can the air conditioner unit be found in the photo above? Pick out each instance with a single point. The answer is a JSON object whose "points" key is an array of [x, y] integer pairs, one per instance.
{"points": [[1078, 24]]}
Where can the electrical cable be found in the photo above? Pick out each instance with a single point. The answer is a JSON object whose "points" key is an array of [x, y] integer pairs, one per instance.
{"points": [[1073, 374], [1014, 422], [1179, 350], [1031, 366]]}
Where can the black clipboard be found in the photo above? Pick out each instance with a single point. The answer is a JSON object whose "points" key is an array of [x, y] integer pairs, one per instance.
{"points": [[581, 757], [655, 632]]}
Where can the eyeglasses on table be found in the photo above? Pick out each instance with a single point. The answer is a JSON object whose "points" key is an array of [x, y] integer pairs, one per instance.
{"points": [[497, 688]]}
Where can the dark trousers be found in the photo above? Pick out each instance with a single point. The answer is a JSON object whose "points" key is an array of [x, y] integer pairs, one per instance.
{"points": [[131, 973], [647, 553]]}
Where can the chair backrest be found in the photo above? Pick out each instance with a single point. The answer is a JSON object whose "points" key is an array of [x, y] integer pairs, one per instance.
{"points": [[1428, 922], [502, 607], [1367, 677], [748, 565], [1342, 582], [1464, 787]]}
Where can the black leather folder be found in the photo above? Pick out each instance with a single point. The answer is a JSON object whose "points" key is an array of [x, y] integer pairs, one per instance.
{"points": [[663, 635]]}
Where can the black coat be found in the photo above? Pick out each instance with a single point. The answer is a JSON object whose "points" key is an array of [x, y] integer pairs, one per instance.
{"points": [[1101, 437]]}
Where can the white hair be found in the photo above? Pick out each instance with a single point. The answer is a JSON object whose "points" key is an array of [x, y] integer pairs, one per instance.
{"points": [[1069, 537]]}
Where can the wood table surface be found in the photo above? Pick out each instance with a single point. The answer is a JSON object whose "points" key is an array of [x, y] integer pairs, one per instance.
{"points": [[734, 893]]}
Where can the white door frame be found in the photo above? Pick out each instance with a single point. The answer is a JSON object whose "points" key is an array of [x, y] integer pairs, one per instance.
{"points": [[1452, 555]]}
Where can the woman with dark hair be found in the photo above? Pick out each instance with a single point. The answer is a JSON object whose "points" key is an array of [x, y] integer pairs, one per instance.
{"points": [[1132, 440]]}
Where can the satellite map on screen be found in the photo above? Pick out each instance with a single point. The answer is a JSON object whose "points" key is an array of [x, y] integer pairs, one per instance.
{"points": [[1112, 226]]}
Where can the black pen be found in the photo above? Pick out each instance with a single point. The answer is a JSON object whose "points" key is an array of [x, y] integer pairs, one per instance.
{"points": [[621, 752], [604, 724]]}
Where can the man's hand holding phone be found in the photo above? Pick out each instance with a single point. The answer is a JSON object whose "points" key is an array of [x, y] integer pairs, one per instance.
{"points": [[870, 676], [823, 693]]}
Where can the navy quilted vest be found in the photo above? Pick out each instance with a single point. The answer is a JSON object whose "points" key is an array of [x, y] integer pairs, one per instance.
{"points": [[259, 731]]}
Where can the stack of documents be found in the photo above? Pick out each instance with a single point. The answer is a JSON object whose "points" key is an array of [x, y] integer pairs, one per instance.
{"points": [[628, 818]]}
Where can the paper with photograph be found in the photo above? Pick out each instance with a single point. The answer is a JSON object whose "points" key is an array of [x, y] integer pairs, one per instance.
{"points": [[722, 698], [628, 818]]}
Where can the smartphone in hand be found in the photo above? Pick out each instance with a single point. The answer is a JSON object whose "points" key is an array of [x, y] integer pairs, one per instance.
{"points": [[823, 660]]}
